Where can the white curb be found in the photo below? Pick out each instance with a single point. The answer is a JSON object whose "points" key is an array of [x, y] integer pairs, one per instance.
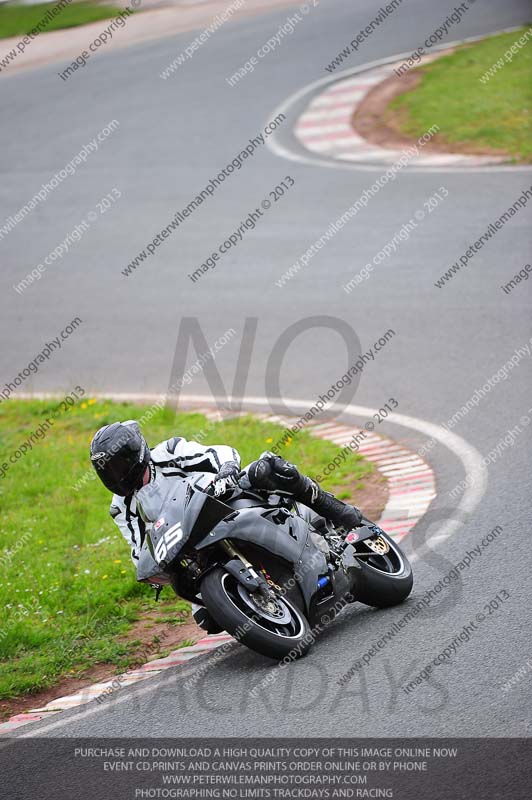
{"points": [[325, 126], [284, 149]]}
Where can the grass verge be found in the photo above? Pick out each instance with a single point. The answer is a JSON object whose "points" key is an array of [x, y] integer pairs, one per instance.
{"points": [[476, 96], [67, 585], [19, 20]]}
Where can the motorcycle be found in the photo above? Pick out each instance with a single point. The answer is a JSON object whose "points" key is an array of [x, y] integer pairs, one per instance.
{"points": [[269, 573]]}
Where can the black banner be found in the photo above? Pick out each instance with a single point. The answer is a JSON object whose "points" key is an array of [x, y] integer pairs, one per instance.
{"points": [[295, 769]]}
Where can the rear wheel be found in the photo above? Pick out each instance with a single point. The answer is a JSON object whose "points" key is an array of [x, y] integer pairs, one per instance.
{"points": [[385, 578], [274, 627]]}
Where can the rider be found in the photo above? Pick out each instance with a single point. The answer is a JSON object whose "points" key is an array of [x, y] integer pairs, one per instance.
{"points": [[137, 475]]}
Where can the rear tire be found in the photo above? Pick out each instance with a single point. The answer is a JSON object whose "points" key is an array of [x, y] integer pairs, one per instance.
{"points": [[228, 601], [384, 581]]}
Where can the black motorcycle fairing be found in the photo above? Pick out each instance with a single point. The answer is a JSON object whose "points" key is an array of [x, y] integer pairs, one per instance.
{"points": [[187, 515], [287, 540], [192, 518], [290, 541], [147, 567]]}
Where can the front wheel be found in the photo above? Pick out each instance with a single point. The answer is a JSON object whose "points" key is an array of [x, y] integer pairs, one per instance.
{"points": [[275, 628], [384, 579]]}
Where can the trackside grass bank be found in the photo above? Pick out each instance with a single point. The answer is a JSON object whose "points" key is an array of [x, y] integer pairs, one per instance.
{"points": [[67, 585], [479, 96], [20, 20]]}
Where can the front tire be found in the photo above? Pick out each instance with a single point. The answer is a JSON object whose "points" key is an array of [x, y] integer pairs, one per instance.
{"points": [[383, 580], [236, 611]]}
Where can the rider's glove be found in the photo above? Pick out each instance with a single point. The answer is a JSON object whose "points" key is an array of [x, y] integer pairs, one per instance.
{"points": [[227, 478], [273, 473]]}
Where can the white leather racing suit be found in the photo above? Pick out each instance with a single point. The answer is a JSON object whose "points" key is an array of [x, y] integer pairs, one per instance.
{"points": [[171, 461]]}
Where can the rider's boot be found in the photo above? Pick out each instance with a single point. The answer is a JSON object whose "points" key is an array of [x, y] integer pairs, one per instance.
{"points": [[204, 619]]}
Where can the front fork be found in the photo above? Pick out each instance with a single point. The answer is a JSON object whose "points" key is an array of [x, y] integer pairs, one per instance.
{"points": [[243, 570]]}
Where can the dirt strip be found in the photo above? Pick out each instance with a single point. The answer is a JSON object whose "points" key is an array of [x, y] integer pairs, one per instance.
{"points": [[380, 125]]}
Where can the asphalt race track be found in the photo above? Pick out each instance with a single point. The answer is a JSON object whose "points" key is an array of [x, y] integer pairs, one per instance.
{"points": [[173, 136]]}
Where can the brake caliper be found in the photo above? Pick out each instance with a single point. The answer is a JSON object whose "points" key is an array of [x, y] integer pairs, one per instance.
{"points": [[270, 582]]}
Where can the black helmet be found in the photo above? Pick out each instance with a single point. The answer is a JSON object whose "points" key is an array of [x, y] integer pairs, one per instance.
{"points": [[120, 455]]}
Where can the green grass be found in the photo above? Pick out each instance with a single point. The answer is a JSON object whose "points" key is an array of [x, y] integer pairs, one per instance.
{"points": [[18, 20], [67, 584], [492, 114]]}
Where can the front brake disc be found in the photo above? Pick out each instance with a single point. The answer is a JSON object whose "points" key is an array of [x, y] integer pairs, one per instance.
{"points": [[273, 610]]}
